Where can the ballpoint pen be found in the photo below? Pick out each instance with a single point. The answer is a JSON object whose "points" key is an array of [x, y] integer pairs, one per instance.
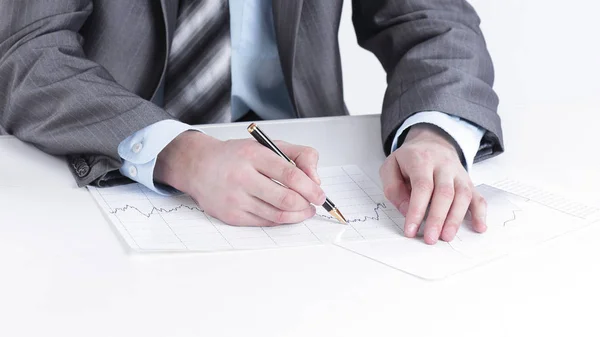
{"points": [[263, 139]]}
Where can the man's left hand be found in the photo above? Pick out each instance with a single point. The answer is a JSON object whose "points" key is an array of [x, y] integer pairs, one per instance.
{"points": [[426, 171]]}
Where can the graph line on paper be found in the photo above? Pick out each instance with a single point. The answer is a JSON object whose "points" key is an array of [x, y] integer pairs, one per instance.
{"points": [[156, 210], [380, 206], [514, 218], [151, 222], [514, 212]]}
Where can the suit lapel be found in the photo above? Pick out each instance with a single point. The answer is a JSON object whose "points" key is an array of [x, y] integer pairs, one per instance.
{"points": [[169, 11], [306, 30], [286, 16], [170, 8]]}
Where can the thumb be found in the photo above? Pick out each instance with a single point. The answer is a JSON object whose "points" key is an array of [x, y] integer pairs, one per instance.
{"points": [[306, 158]]}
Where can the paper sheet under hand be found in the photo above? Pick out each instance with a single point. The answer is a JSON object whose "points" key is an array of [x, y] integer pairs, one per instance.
{"points": [[151, 222], [518, 217]]}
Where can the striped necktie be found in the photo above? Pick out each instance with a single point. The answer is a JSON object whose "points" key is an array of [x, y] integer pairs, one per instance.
{"points": [[198, 83]]}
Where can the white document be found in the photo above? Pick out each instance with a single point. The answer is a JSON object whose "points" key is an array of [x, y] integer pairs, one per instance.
{"points": [[514, 222], [151, 222], [518, 217]]}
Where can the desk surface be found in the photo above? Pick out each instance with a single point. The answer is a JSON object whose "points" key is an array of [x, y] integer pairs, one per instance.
{"points": [[63, 271]]}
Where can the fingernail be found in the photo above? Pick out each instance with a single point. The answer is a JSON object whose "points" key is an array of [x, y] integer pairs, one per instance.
{"points": [[411, 230], [448, 234], [430, 237]]}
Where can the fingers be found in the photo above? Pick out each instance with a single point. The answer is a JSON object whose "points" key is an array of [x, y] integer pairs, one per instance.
{"points": [[394, 187], [478, 210], [276, 195], [422, 189], [250, 210], [278, 216], [443, 196], [306, 158], [245, 219], [462, 199], [291, 176]]}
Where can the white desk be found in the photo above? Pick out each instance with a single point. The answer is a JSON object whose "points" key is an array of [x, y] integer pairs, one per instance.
{"points": [[64, 273]]}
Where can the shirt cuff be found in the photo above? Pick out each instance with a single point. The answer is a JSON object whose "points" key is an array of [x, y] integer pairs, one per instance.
{"points": [[466, 135], [140, 151]]}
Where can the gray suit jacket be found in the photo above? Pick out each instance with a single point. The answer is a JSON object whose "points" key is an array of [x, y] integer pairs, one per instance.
{"points": [[79, 76]]}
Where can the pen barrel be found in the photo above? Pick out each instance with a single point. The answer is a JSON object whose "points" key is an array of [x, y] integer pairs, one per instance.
{"points": [[265, 141]]}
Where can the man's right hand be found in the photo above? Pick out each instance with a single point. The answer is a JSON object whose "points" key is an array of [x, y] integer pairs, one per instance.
{"points": [[231, 180]]}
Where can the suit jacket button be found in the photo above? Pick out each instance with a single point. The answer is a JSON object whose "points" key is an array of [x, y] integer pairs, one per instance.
{"points": [[81, 167]]}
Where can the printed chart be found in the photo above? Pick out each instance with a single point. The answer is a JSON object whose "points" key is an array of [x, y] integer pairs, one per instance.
{"points": [[518, 217], [151, 222]]}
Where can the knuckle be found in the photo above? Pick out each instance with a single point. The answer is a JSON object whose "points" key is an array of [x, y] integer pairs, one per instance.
{"points": [[390, 191], [435, 221], [280, 217], [449, 156], [311, 153], [247, 150], [464, 191], [418, 214], [445, 191], [290, 174], [481, 201], [452, 223], [286, 201], [447, 161], [424, 155], [423, 185]]}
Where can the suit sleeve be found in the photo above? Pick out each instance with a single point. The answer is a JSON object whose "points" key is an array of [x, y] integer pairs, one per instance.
{"points": [[52, 96], [436, 59]]}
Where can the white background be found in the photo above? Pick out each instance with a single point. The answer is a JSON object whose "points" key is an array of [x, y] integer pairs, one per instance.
{"points": [[545, 53], [547, 64]]}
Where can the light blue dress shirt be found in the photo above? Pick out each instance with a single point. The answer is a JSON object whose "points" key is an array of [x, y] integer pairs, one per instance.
{"points": [[258, 85]]}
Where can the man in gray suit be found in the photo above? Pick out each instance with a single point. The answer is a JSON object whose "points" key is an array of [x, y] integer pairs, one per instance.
{"points": [[116, 85]]}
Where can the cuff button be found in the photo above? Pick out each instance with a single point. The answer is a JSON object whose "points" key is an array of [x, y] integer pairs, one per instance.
{"points": [[137, 147], [132, 171]]}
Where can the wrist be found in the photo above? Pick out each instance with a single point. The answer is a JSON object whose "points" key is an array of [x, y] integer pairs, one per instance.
{"points": [[176, 161], [432, 134]]}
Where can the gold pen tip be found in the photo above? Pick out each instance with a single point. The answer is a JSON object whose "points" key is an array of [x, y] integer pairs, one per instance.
{"points": [[336, 214], [252, 127]]}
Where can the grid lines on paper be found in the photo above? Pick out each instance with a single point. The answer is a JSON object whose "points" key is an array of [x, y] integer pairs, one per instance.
{"points": [[547, 199], [157, 222]]}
